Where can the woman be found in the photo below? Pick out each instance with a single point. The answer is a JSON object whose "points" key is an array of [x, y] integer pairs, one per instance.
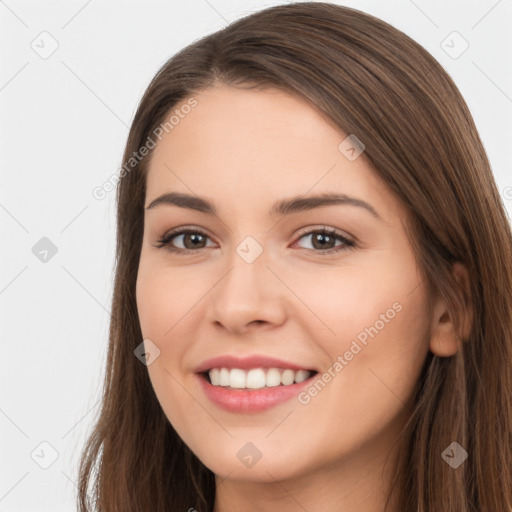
{"points": [[312, 303]]}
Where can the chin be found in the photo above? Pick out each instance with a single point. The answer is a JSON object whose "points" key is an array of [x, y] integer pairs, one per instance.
{"points": [[257, 462]]}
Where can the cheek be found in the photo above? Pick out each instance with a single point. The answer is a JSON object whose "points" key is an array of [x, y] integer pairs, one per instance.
{"points": [[162, 302], [164, 298], [361, 302], [385, 357], [375, 320], [366, 394], [169, 309]]}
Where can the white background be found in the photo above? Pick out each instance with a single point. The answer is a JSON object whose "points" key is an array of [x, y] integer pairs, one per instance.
{"points": [[64, 121]]}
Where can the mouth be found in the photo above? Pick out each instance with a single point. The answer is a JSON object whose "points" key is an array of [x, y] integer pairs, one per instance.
{"points": [[251, 384], [255, 378]]}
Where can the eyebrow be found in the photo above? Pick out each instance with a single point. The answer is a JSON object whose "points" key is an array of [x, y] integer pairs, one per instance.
{"points": [[283, 207]]}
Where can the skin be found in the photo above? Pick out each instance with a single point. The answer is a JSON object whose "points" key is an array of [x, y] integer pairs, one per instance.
{"points": [[244, 150]]}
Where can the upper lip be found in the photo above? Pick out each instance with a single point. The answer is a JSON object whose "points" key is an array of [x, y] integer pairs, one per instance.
{"points": [[255, 361]]}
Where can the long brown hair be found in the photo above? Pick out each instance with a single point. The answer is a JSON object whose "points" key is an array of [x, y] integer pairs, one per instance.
{"points": [[373, 81]]}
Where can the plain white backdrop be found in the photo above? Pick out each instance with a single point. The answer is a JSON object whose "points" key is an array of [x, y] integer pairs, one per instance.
{"points": [[71, 76]]}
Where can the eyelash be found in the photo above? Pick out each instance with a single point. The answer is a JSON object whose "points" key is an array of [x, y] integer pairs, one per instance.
{"points": [[165, 241]]}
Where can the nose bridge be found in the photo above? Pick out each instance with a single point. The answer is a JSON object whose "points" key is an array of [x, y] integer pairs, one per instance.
{"points": [[249, 291], [247, 270]]}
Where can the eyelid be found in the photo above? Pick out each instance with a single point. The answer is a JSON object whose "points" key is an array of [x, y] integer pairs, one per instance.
{"points": [[304, 231], [322, 227], [181, 230], [348, 241]]}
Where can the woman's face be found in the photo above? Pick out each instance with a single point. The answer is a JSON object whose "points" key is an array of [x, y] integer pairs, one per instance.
{"points": [[260, 283]]}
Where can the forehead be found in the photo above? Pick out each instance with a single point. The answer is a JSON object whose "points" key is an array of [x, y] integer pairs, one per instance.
{"points": [[253, 147]]}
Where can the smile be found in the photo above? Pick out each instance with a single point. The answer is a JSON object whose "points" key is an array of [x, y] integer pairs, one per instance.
{"points": [[256, 378], [251, 384]]}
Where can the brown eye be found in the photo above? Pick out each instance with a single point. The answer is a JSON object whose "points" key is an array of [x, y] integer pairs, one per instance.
{"points": [[324, 241], [191, 239]]}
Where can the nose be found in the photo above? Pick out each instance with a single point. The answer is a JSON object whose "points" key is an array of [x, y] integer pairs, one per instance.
{"points": [[248, 297]]}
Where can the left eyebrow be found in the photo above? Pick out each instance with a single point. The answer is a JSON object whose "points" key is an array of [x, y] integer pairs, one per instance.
{"points": [[283, 207]]}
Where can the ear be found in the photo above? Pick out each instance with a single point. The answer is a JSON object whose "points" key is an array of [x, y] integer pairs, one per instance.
{"points": [[445, 341]]}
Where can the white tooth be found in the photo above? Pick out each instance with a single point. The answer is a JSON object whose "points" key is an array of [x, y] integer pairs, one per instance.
{"points": [[301, 375], [273, 378], [287, 377], [237, 378], [214, 376], [255, 379], [224, 377]]}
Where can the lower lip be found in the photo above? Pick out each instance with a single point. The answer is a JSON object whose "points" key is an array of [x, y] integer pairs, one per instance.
{"points": [[250, 400]]}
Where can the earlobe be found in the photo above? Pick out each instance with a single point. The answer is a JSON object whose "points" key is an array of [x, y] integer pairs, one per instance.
{"points": [[445, 340]]}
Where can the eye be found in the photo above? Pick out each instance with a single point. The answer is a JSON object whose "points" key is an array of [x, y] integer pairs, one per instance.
{"points": [[323, 241], [191, 239]]}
